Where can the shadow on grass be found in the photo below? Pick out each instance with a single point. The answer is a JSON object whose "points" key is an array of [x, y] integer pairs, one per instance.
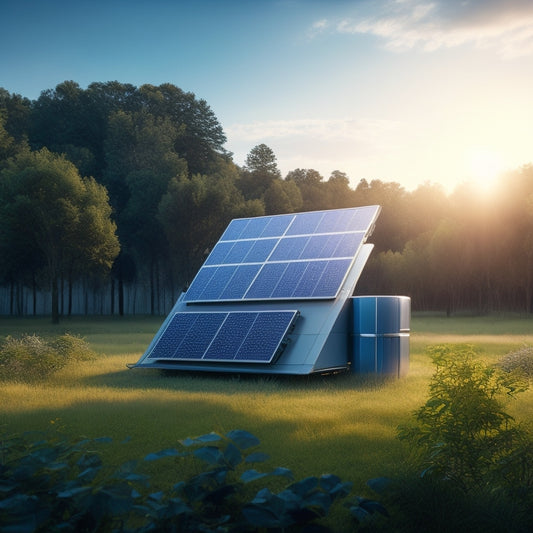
{"points": [[220, 381]]}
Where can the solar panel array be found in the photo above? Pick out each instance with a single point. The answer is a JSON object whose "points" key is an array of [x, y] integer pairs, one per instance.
{"points": [[283, 257], [243, 336], [303, 256]]}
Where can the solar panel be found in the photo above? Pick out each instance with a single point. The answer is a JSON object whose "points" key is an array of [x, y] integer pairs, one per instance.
{"points": [[297, 256], [236, 336]]}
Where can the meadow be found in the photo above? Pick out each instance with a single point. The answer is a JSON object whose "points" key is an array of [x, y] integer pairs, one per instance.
{"points": [[342, 424]]}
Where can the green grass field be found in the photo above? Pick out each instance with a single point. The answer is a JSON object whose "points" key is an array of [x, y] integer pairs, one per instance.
{"points": [[344, 424]]}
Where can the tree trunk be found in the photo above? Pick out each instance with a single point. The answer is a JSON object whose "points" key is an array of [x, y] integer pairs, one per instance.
{"points": [[34, 293], [55, 301], [70, 295], [112, 300], [120, 296]]}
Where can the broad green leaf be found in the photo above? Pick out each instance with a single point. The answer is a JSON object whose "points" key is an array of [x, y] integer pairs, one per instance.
{"points": [[252, 475], [260, 517], [305, 485], [359, 513], [379, 484], [257, 457], [89, 460], [169, 452], [202, 439], [232, 455], [210, 454], [243, 439], [282, 471]]}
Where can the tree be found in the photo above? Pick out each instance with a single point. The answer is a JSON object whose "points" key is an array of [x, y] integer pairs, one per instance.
{"points": [[262, 159], [194, 213], [7, 143], [311, 185], [46, 205], [141, 162], [260, 170], [17, 111], [202, 137], [282, 197]]}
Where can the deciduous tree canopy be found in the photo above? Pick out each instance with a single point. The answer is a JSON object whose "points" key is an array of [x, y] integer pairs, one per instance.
{"points": [[158, 154], [52, 217]]}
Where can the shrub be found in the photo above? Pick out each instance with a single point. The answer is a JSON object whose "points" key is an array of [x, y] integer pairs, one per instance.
{"points": [[521, 360], [30, 357], [463, 432], [53, 484]]}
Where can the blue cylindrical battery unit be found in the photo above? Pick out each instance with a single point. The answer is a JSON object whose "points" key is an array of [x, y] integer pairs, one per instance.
{"points": [[380, 336]]}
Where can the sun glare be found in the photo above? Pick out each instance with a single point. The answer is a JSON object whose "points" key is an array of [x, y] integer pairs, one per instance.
{"points": [[485, 166]]}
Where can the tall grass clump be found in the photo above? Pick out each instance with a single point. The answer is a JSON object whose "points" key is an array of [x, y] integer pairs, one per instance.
{"points": [[31, 358], [521, 360]]}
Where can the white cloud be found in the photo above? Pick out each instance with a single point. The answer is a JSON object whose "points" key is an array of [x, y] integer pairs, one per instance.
{"points": [[505, 27], [324, 145], [318, 129]]}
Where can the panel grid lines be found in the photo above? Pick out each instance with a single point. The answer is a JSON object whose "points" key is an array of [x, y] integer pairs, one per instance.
{"points": [[232, 336], [251, 260]]}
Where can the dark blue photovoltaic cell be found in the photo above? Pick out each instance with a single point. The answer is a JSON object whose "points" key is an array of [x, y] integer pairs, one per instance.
{"points": [[198, 338], [362, 217], [254, 228], [239, 282], [260, 251], [331, 277], [349, 244], [305, 223], [315, 246], [332, 221], [240, 336], [272, 242], [230, 336], [173, 334], [217, 283], [234, 229], [277, 226], [331, 245], [306, 286], [268, 329], [219, 253], [203, 277], [266, 281], [238, 252], [291, 276], [289, 249]]}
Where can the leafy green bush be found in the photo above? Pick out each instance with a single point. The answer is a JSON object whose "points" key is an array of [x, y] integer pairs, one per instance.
{"points": [[30, 357], [462, 430], [519, 360], [473, 463], [54, 484]]}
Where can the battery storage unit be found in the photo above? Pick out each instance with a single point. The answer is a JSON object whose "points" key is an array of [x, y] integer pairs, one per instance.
{"points": [[380, 336]]}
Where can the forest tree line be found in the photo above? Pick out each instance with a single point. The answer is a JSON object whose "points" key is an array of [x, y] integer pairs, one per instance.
{"points": [[115, 186]]}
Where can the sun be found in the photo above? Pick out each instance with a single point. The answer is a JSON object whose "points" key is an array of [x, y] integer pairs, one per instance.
{"points": [[485, 167]]}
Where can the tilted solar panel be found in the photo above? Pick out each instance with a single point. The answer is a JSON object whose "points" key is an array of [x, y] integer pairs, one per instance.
{"points": [[236, 336], [283, 257]]}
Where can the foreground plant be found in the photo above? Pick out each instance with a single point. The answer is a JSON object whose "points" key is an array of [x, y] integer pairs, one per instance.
{"points": [[463, 431], [53, 484]]}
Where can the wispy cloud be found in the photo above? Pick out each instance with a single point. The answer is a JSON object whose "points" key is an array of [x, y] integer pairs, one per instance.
{"points": [[505, 27], [324, 145], [319, 129]]}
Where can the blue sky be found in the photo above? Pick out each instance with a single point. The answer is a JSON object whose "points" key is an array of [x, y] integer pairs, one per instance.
{"points": [[399, 90]]}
